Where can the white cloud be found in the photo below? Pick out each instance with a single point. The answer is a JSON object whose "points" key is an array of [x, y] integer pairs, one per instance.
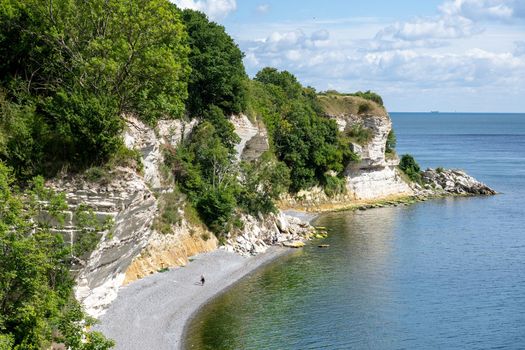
{"points": [[215, 9], [430, 28], [263, 8], [444, 55], [478, 10]]}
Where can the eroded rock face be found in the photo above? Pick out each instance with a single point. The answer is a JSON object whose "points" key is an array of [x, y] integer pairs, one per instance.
{"points": [[128, 200], [376, 182], [168, 250], [373, 153], [455, 182], [149, 141], [374, 176], [254, 138]]}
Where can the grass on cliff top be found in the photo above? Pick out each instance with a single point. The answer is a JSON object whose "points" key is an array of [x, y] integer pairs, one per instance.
{"points": [[336, 105]]}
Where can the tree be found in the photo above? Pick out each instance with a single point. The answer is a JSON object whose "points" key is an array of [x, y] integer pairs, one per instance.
{"points": [[309, 144], [218, 76], [78, 66]]}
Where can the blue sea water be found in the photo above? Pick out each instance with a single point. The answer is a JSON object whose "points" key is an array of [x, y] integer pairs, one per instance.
{"points": [[443, 274]]}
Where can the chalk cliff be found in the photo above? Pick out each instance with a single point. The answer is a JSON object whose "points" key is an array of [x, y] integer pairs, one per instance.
{"points": [[134, 247]]}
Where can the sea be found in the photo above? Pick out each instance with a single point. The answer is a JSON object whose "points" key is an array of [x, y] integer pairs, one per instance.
{"points": [[442, 274]]}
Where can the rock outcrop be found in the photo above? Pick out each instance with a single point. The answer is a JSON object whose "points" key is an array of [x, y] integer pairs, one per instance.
{"points": [[374, 176], [259, 233], [253, 136], [450, 181], [132, 248]]}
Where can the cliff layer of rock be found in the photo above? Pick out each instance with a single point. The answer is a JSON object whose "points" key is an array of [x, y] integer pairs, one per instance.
{"points": [[374, 176]]}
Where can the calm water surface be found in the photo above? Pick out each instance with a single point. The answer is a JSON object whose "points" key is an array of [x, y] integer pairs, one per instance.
{"points": [[445, 274]]}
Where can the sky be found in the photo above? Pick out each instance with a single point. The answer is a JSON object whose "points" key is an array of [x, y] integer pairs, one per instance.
{"points": [[420, 55]]}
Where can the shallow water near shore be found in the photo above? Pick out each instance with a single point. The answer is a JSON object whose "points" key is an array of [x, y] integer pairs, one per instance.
{"points": [[446, 274]]}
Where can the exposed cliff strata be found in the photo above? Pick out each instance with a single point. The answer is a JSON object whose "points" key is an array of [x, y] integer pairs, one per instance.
{"points": [[168, 250], [128, 198], [253, 136], [374, 177], [132, 249]]}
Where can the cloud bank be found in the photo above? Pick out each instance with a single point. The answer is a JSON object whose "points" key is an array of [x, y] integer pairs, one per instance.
{"points": [[444, 53]]}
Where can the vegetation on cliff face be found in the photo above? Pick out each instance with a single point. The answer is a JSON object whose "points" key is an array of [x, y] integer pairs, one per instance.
{"points": [[309, 144], [36, 302]]}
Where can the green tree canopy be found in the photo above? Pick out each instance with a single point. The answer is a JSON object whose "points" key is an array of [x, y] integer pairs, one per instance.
{"points": [[78, 66], [218, 76]]}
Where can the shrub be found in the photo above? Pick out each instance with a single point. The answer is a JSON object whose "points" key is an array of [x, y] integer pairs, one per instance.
{"points": [[169, 215], [369, 95], [262, 182], [391, 142], [334, 185], [359, 134], [363, 108], [410, 167]]}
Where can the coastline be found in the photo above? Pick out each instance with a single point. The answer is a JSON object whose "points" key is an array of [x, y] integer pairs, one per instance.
{"points": [[153, 313]]}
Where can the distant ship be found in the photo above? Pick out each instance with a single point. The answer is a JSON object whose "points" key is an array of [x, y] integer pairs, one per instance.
{"points": [[434, 111]]}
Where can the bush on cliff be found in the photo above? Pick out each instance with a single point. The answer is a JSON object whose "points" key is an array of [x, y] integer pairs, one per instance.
{"points": [[410, 167], [391, 141]]}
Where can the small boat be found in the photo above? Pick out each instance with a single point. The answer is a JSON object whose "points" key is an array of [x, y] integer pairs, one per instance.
{"points": [[324, 245]]}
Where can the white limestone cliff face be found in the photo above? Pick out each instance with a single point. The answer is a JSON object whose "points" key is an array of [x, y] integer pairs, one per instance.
{"points": [[128, 198], [253, 136], [374, 177], [132, 248]]}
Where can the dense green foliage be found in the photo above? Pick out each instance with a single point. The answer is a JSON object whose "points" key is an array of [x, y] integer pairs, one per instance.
{"points": [[218, 77], [309, 144], [410, 167], [36, 303], [71, 69], [206, 171]]}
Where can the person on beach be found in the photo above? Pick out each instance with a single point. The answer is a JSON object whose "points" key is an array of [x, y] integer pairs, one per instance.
{"points": [[202, 280]]}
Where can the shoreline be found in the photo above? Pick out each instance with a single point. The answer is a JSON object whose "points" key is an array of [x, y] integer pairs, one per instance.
{"points": [[153, 313]]}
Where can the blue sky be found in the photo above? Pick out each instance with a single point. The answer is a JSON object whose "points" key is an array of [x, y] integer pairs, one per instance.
{"points": [[420, 55]]}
